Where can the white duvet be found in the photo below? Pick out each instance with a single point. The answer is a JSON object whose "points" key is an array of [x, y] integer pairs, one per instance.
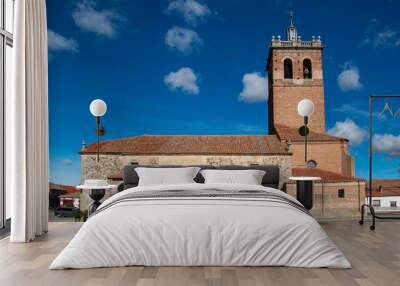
{"points": [[200, 231]]}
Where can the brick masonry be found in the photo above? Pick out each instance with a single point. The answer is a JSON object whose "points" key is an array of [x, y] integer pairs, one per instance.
{"points": [[285, 94], [328, 204], [329, 156]]}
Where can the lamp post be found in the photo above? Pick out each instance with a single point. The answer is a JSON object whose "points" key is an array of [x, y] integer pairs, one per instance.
{"points": [[304, 184], [305, 108], [98, 108]]}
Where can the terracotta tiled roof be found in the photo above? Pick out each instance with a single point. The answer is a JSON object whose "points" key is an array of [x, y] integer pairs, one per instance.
{"points": [[71, 195], [285, 132], [192, 144], [385, 193], [326, 176], [385, 188], [68, 189]]}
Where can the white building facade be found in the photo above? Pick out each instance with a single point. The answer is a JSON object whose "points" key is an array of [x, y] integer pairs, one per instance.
{"points": [[389, 203]]}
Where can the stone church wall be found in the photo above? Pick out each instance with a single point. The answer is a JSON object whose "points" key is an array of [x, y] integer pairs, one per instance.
{"points": [[113, 164]]}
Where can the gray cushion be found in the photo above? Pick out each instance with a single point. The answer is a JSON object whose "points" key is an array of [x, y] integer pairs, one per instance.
{"points": [[270, 179]]}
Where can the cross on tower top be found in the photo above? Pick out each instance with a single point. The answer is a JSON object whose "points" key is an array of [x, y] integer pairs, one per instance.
{"points": [[291, 30], [291, 15]]}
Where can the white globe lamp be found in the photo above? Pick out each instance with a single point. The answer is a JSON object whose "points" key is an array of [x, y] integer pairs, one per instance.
{"points": [[305, 107], [98, 108]]}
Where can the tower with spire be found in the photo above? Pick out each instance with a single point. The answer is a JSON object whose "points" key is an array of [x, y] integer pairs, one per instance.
{"points": [[295, 72], [291, 30], [83, 144]]}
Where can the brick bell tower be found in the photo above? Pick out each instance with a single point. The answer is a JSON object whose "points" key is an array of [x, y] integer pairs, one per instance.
{"points": [[295, 72]]}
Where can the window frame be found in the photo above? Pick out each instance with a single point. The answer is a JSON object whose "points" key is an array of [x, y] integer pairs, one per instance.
{"points": [[393, 204], [312, 164], [6, 39], [285, 61], [308, 60], [376, 203]]}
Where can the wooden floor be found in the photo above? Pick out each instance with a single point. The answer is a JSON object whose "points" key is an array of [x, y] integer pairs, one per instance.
{"points": [[375, 257]]}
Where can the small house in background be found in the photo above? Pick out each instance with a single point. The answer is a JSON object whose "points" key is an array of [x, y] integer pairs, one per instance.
{"points": [[385, 195], [69, 193], [70, 200]]}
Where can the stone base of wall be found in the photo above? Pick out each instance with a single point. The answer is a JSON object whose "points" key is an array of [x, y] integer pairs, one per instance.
{"points": [[113, 164], [328, 205], [110, 165]]}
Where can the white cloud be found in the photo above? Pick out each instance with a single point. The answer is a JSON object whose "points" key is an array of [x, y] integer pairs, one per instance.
{"points": [[386, 143], [191, 10], [356, 111], [66, 162], [183, 40], [351, 109], [349, 78], [381, 37], [57, 42], [350, 130], [255, 88], [184, 79], [101, 22], [387, 38]]}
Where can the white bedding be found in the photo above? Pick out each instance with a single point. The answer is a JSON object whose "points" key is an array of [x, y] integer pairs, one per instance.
{"points": [[201, 231]]}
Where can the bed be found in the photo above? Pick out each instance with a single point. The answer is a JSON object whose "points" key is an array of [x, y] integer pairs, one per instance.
{"points": [[201, 224]]}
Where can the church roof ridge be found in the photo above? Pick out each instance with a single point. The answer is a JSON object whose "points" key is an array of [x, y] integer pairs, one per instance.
{"points": [[257, 144], [285, 133]]}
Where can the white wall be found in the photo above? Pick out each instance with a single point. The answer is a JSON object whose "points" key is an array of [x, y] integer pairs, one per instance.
{"points": [[385, 201]]}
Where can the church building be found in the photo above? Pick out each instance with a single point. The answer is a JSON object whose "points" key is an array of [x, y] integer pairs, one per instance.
{"points": [[295, 72]]}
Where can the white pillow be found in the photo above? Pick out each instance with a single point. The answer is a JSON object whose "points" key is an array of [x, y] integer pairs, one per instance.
{"points": [[165, 176], [248, 177]]}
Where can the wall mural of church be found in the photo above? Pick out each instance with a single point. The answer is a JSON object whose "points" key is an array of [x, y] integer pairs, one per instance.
{"points": [[295, 72]]}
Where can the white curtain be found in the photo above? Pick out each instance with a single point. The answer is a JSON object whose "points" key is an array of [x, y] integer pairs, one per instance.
{"points": [[27, 124]]}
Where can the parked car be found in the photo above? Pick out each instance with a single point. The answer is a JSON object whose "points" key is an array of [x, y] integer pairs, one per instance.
{"points": [[66, 211]]}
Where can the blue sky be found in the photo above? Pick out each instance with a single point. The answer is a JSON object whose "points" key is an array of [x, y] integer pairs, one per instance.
{"points": [[197, 67]]}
